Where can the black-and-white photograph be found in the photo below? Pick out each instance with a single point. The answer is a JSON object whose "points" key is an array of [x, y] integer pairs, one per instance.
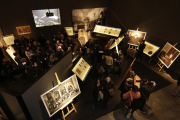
{"points": [[61, 95], [168, 54], [42, 20], [136, 36], [88, 18]]}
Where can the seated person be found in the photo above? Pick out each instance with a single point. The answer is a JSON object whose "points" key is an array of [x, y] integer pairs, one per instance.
{"points": [[29, 53]]}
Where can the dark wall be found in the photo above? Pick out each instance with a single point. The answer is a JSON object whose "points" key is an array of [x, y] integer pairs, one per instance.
{"points": [[32, 97], [19, 13], [159, 18], [11, 107]]}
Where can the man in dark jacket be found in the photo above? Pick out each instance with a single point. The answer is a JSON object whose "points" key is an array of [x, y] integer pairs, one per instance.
{"points": [[176, 91], [145, 90], [140, 51]]}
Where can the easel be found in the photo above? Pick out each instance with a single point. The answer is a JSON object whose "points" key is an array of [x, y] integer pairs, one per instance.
{"points": [[160, 64], [69, 111]]}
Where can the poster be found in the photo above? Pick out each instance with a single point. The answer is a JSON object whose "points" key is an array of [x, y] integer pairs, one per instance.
{"points": [[107, 30], [69, 31], [23, 30], [10, 50], [88, 17], [150, 49], [9, 39], [136, 36], [61, 95], [42, 20], [81, 69], [82, 37], [168, 54]]}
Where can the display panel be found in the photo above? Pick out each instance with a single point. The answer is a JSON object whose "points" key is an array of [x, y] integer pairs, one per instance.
{"points": [[81, 69], [107, 30], [61, 95], [150, 49], [69, 31], [9, 39], [23, 30], [10, 50], [88, 18], [82, 37], [116, 42], [41, 20], [136, 36], [168, 54]]}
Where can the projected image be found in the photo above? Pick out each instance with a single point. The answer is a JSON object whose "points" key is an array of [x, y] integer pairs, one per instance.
{"points": [[88, 18], [136, 36], [59, 96], [168, 54], [42, 20]]}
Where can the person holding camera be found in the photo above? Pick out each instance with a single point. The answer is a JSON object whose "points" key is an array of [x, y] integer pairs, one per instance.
{"points": [[145, 90]]}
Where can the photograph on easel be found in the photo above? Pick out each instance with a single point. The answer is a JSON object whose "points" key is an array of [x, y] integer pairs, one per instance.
{"points": [[61, 95], [136, 36], [150, 49], [168, 54]]}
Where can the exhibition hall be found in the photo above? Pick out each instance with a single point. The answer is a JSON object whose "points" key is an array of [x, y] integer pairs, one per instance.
{"points": [[90, 60]]}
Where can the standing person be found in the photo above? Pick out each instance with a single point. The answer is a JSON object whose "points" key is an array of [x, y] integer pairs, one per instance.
{"points": [[177, 89], [17, 45], [124, 44], [140, 51], [108, 89], [109, 62], [119, 62], [134, 96], [145, 90]]}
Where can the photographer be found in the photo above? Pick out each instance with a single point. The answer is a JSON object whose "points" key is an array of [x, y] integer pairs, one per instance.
{"points": [[145, 90]]}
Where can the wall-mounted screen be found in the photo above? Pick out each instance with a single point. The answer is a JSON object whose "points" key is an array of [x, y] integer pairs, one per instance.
{"points": [[150, 49], [168, 54], [42, 20], [107, 30], [88, 18], [136, 36], [61, 95]]}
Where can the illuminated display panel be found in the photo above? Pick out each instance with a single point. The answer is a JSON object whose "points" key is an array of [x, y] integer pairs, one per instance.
{"points": [[107, 30]]}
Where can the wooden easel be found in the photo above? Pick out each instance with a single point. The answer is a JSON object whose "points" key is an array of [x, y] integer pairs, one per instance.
{"points": [[69, 111], [160, 64]]}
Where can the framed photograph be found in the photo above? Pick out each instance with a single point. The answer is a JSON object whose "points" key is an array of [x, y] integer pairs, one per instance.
{"points": [[88, 18], [168, 54], [150, 49], [136, 36], [61, 95], [9, 39], [81, 69], [23, 30]]}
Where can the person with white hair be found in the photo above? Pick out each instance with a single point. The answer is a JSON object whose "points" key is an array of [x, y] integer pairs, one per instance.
{"points": [[108, 89]]}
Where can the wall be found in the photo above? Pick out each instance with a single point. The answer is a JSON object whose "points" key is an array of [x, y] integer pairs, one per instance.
{"points": [[11, 107], [32, 97], [159, 18], [19, 13]]}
